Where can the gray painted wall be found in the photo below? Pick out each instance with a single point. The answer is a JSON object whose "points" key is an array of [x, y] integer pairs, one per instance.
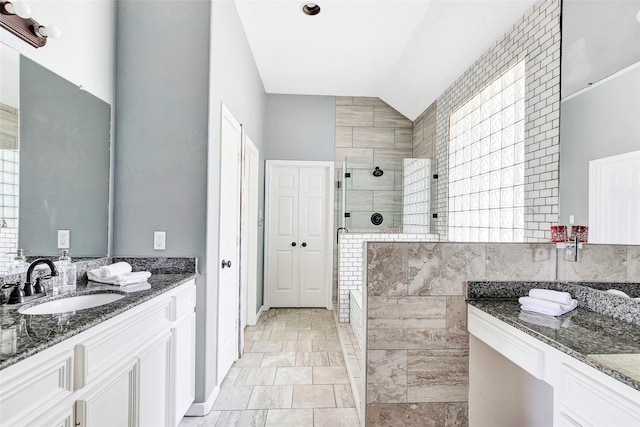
{"points": [[600, 122], [300, 127], [235, 81], [160, 171], [64, 164]]}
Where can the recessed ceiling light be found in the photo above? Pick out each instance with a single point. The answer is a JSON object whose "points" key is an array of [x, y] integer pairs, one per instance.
{"points": [[310, 9]]}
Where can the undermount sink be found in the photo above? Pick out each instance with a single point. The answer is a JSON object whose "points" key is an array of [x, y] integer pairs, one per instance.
{"points": [[79, 302]]}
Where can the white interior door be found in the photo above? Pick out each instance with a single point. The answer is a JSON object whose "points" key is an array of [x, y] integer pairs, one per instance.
{"points": [[312, 231], [299, 235], [614, 199], [229, 262], [250, 188], [282, 275]]}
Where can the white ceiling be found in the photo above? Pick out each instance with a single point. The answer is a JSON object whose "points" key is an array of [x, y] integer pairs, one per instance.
{"points": [[406, 52]]}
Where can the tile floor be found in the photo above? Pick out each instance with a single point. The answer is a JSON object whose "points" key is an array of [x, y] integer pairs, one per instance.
{"points": [[291, 374]]}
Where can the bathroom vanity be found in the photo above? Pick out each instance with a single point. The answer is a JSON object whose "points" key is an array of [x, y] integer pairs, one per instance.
{"points": [[581, 369], [127, 363]]}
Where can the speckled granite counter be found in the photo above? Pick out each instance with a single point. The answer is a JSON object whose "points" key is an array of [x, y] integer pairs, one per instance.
{"points": [[33, 334], [601, 341]]}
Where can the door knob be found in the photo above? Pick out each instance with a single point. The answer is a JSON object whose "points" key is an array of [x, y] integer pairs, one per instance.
{"points": [[293, 244], [226, 264], [304, 244]]}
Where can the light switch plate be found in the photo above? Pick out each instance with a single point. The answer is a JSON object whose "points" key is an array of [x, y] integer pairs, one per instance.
{"points": [[64, 237], [159, 240]]}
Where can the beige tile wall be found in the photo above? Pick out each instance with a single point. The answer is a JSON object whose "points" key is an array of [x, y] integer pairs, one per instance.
{"points": [[424, 133], [417, 339]]}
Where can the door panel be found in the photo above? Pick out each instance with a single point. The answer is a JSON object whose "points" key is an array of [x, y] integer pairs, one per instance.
{"points": [[228, 277], [614, 199], [299, 200]]}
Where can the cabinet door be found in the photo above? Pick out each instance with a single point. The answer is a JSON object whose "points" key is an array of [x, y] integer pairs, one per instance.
{"points": [[283, 245], [184, 366], [155, 373], [314, 222], [112, 403]]}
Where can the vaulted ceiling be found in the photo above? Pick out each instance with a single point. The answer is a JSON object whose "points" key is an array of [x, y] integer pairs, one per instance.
{"points": [[406, 52]]}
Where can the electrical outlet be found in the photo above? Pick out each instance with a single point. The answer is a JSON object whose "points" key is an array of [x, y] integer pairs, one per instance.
{"points": [[64, 237], [159, 240]]}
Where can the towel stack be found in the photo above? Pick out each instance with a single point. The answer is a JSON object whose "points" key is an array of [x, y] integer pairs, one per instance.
{"points": [[545, 301], [120, 274]]}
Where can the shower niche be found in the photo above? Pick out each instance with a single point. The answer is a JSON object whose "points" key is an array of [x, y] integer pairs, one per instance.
{"points": [[385, 195]]}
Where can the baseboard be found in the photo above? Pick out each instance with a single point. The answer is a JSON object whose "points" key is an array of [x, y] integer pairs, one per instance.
{"points": [[200, 409], [259, 313]]}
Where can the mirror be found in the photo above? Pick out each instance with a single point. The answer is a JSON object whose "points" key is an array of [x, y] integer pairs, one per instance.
{"points": [[55, 163]]}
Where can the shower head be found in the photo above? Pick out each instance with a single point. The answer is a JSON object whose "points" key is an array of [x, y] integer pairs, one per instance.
{"points": [[378, 171]]}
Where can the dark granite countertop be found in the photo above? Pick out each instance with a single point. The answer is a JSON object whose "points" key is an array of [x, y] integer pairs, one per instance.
{"points": [[34, 333], [593, 338]]}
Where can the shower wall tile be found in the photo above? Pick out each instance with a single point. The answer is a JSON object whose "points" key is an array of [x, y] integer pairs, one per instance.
{"points": [[456, 414], [387, 269], [407, 415], [393, 152], [387, 376], [404, 138], [384, 200], [407, 312], [443, 268], [387, 117], [363, 179], [410, 339], [360, 153], [349, 115], [344, 100], [344, 136], [598, 263], [373, 138], [367, 100], [513, 261], [360, 200], [437, 375], [385, 163], [361, 221], [633, 263]]}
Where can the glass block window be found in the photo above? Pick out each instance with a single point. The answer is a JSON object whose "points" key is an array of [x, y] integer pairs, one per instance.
{"points": [[416, 196], [486, 163]]}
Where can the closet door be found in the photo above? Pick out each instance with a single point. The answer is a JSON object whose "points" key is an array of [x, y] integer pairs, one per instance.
{"points": [[312, 230], [299, 234], [283, 234]]}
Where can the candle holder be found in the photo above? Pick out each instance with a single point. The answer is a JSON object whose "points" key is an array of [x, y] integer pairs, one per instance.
{"points": [[581, 232], [559, 233]]}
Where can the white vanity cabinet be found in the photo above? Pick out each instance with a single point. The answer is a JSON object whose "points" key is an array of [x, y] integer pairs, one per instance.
{"points": [[135, 369], [547, 383]]}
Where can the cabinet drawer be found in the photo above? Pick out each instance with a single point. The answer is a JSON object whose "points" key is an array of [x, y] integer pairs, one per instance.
{"points": [[507, 340], [38, 386], [184, 301], [592, 403], [116, 343]]}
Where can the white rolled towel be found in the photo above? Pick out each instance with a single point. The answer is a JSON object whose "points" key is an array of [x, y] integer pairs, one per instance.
{"points": [[618, 293], [549, 295], [546, 307], [119, 280], [136, 287], [115, 269]]}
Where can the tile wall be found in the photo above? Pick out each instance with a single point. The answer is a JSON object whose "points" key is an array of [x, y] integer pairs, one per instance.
{"points": [[535, 38], [417, 339], [350, 262], [9, 181]]}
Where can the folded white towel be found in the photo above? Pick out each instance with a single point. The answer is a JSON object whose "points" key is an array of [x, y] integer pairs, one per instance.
{"points": [[546, 321], [618, 293], [546, 307], [114, 269], [549, 295], [136, 287], [120, 280]]}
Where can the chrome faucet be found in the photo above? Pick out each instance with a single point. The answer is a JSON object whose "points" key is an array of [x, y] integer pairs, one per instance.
{"points": [[29, 289]]}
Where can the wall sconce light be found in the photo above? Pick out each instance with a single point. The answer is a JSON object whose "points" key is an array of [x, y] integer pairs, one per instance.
{"points": [[15, 17]]}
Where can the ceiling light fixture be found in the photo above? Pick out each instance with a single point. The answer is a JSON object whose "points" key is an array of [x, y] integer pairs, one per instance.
{"points": [[310, 9]]}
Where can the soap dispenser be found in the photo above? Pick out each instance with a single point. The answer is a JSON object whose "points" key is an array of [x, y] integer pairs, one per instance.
{"points": [[19, 263], [68, 271]]}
